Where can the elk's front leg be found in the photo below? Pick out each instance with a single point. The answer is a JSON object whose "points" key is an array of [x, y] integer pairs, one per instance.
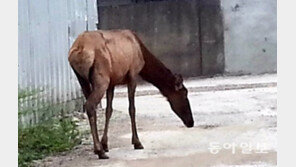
{"points": [[132, 112], [109, 110]]}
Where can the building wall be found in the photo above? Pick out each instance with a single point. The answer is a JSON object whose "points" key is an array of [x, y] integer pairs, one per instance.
{"points": [[250, 36], [186, 35], [247, 30], [46, 30]]}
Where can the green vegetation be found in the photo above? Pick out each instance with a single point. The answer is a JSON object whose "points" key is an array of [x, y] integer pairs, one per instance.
{"points": [[24, 93], [47, 137]]}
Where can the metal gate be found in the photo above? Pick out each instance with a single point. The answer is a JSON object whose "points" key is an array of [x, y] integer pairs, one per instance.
{"points": [[46, 30], [187, 35]]}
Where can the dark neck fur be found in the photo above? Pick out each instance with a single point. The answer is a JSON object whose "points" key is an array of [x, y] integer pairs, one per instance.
{"points": [[155, 72]]}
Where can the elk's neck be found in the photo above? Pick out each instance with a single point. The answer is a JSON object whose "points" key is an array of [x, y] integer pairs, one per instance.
{"points": [[155, 72]]}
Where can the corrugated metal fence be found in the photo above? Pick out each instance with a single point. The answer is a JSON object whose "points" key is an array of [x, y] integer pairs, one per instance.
{"points": [[47, 28]]}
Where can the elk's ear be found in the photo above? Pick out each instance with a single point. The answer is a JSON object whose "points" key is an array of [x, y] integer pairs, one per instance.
{"points": [[178, 82]]}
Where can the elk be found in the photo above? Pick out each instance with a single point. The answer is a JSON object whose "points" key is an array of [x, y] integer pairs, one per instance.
{"points": [[103, 59]]}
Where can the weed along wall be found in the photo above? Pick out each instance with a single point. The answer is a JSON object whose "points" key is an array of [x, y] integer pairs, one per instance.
{"points": [[47, 29]]}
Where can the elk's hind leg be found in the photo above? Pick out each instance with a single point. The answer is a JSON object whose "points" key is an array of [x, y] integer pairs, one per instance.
{"points": [[99, 85], [109, 110], [132, 112], [85, 86]]}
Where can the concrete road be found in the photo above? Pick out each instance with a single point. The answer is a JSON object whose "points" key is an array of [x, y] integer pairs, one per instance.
{"points": [[235, 125]]}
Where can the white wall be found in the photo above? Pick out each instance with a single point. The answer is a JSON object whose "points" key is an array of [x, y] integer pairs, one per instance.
{"points": [[46, 30], [250, 36]]}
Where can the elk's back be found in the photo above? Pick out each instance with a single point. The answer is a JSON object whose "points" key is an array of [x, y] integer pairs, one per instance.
{"points": [[115, 54]]}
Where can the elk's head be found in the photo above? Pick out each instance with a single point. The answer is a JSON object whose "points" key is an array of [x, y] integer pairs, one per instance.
{"points": [[180, 103]]}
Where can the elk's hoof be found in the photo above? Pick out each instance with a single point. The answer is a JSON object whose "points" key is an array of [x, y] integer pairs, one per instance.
{"points": [[105, 147], [103, 156], [138, 146]]}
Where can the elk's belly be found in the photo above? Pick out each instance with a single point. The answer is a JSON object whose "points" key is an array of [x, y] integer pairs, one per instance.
{"points": [[119, 74], [119, 81]]}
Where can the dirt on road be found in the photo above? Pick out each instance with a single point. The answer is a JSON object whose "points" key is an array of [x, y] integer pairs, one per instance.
{"points": [[233, 127]]}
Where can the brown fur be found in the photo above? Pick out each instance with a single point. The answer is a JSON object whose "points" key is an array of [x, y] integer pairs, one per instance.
{"points": [[103, 59]]}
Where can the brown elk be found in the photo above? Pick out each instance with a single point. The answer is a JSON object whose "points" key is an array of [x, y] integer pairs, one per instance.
{"points": [[105, 58]]}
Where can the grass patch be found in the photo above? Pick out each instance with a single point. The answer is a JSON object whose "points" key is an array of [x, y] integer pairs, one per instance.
{"points": [[47, 137]]}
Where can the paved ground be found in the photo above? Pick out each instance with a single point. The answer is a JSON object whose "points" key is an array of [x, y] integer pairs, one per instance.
{"points": [[235, 125]]}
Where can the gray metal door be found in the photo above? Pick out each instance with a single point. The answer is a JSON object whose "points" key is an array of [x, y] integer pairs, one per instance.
{"points": [[169, 29], [173, 30]]}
